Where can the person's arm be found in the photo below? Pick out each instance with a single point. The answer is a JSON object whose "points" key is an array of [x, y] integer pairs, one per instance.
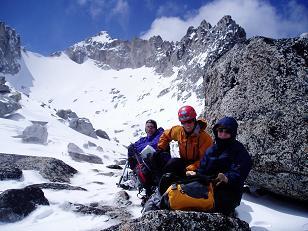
{"points": [[205, 141], [155, 140], [239, 169], [167, 136]]}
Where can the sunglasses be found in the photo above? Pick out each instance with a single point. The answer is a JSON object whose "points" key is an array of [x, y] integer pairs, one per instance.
{"points": [[225, 130], [188, 121]]}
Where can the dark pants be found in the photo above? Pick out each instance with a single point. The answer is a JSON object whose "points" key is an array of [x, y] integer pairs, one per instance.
{"points": [[176, 166], [226, 200]]}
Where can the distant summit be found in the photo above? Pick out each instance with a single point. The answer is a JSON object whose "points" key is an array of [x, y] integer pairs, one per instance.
{"points": [[101, 38], [192, 54]]}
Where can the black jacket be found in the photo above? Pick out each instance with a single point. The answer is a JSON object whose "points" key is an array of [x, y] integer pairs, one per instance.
{"points": [[229, 157]]}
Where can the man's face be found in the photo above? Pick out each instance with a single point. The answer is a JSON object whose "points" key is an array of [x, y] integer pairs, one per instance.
{"points": [[189, 125], [150, 129], [223, 133]]}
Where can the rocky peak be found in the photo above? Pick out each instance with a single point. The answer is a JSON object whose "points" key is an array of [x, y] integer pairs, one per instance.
{"points": [[9, 50], [200, 47], [101, 38]]}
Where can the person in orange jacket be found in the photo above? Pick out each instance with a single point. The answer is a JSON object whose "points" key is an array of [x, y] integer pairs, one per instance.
{"points": [[192, 139]]}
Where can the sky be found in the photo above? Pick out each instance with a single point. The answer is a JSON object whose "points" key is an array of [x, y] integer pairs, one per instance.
{"points": [[47, 26]]}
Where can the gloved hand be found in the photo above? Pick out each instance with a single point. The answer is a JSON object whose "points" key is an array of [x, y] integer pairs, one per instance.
{"points": [[221, 178]]}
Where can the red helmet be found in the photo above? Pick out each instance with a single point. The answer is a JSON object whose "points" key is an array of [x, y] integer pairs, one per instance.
{"points": [[187, 113]]}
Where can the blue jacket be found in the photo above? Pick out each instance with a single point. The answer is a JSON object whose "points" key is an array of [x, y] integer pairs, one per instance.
{"points": [[148, 140], [229, 157]]}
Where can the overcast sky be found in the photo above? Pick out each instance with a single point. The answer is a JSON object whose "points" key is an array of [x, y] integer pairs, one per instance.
{"points": [[46, 26]]}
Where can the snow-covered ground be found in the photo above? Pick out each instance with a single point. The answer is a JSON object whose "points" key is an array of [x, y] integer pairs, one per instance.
{"points": [[118, 102]]}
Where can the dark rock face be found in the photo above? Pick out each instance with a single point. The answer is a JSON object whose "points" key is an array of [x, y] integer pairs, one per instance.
{"points": [[10, 172], [263, 84], [50, 168], [9, 50], [179, 220], [15, 204]]}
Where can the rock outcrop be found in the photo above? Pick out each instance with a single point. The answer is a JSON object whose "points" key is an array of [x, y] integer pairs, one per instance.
{"points": [[78, 155], [9, 50], [35, 133], [179, 220], [50, 168], [9, 100], [263, 84], [15, 204]]}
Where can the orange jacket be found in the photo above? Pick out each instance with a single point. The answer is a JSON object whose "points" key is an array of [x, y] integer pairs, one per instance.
{"points": [[192, 147]]}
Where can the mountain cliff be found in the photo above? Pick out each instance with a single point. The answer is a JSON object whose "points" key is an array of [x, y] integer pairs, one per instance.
{"points": [[263, 83], [9, 50]]}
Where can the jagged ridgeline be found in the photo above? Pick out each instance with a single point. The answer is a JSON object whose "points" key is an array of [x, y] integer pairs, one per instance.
{"points": [[262, 82]]}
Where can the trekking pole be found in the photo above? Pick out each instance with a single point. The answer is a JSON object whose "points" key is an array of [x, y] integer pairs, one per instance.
{"points": [[125, 167]]}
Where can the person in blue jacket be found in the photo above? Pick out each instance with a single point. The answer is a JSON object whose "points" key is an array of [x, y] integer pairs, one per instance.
{"points": [[153, 161], [229, 163], [152, 138]]}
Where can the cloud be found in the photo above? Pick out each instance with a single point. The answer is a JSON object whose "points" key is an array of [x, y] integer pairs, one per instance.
{"points": [[170, 9], [121, 8], [109, 9], [257, 17]]}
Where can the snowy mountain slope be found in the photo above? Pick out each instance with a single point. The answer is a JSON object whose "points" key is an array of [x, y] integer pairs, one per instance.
{"points": [[112, 100]]}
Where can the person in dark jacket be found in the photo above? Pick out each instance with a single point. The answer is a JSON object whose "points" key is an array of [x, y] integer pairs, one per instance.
{"points": [[229, 163], [152, 138]]}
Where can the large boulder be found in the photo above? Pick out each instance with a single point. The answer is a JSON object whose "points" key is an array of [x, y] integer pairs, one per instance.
{"points": [[50, 168], [15, 204], [35, 133], [263, 84], [83, 125], [78, 154], [179, 220], [66, 114]]}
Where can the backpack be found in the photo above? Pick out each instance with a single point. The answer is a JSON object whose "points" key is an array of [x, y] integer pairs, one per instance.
{"points": [[143, 172], [195, 194]]}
